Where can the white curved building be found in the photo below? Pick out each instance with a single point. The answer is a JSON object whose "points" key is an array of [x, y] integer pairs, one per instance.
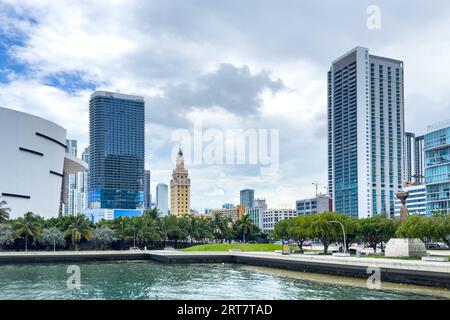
{"points": [[33, 163]]}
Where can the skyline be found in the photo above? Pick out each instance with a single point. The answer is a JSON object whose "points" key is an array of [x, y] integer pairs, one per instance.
{"points": [[179, 65]]}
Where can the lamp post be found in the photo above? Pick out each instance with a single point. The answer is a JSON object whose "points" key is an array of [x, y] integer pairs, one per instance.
{"points": [[343, 232]]}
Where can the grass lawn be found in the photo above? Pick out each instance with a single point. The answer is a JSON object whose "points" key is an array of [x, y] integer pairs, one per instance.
{"points": [[252, 247]]}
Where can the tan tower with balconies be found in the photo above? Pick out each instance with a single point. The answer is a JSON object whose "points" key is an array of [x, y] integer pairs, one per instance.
{"points": [[180, 189]]}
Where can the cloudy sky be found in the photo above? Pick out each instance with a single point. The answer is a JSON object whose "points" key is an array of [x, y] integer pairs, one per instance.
{"points": [[248, 64]]}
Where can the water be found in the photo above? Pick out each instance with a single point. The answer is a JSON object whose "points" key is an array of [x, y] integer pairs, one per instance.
{"points": [[149, 280]]}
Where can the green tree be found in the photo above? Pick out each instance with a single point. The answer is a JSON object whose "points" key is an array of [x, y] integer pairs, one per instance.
{"points": [[199, 229], [441, 227], [78, 230], [28, 226], [120, 225], [52, 237], [352, 229], [220, 227], [300, 229], [7, 235], [377, 229], [61, 222], [4, 211], [103, 236], [244, 226], [321, 228], [148, 230], [280, 231], [152, 213]]}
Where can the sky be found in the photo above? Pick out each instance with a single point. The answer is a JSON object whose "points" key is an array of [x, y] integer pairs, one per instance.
{"points": [[227, 64]]}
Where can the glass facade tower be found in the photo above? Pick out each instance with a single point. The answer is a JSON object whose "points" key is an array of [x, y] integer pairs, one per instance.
{"points": [[437, 170], [365, 133], [247, 198], [116, 139]]}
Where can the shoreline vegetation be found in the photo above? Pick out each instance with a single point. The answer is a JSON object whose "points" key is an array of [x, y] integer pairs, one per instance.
{"points": [[221, 233]]}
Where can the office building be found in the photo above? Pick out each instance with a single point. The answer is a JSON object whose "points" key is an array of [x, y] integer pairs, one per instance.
{"points": [[180, 188], [116, 170], [234, 213], [71, 183], [247, 198], [365, 133], [272, 216], [318, 204], [416, 201], [228, 206], [162, 196], [414, 157], [408, 160], [437, 168], [419, 160], [147, 190], [256, 213], [83, 186], [33, 164]]}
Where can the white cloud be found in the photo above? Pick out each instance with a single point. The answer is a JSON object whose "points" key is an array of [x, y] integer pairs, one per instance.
{"points": [[148, 47]]}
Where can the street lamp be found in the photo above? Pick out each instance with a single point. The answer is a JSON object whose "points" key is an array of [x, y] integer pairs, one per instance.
{"points": [[343, 232]]}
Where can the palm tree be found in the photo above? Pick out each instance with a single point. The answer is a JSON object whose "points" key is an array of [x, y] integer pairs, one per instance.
{"points": [[79, 229], [28, 226], [219, 226], [245, 225], [4, 211], [152, 213], [148, 230]]}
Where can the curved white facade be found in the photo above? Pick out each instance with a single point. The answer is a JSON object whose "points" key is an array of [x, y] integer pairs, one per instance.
{"points": [[31, 163]]}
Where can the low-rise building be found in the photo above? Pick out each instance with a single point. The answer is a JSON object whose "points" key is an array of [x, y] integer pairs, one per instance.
{"points": [[235, 213], [96, 215], [319, 204], [416, 201], [272, 216]]}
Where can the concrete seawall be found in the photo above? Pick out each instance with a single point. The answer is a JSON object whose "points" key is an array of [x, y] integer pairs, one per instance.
{"points": [[435, 274]]}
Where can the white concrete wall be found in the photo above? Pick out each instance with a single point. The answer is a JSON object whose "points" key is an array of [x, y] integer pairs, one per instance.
{"points": [[29, 174]]}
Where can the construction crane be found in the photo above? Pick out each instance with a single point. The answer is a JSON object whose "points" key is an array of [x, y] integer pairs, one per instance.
{"points": [[316, 184]]}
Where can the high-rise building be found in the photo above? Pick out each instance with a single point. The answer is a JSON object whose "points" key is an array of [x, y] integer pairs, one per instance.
{"points": [[147, 190], [71, 182], [180, 189], [256, 213], [365, 133], [419, 160], [437, 168], [162, 196], [408, 156], [414, 157], [116, 166], [247, 198], [83, 186]]}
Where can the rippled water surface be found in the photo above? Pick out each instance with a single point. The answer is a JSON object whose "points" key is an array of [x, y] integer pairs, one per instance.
{"points": [[149, 280]]}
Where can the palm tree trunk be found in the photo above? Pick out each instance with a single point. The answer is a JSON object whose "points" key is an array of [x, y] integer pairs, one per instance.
{"points": [[26, 242]]}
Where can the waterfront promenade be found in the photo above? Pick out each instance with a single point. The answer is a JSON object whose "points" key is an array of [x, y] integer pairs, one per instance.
{"points": [[436, 274]]}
